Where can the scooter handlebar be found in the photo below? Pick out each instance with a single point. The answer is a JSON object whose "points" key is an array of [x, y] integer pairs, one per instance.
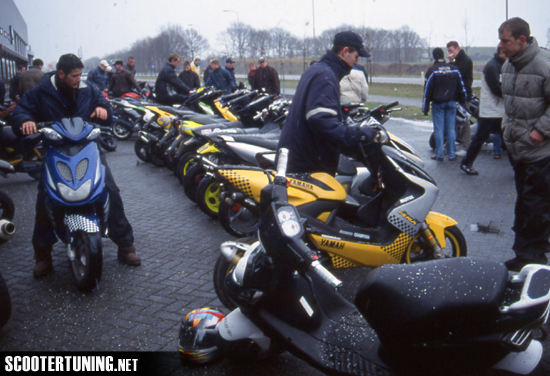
{"points": [[282, 162], [325, 274]]}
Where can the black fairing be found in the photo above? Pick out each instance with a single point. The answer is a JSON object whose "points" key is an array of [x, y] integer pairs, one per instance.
{"points": [[410, 306]]}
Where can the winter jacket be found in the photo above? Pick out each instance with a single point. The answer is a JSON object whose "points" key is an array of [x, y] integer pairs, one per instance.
{"points": [[196, 69], [221, 80], [354, 88], [14, 86], [251, 77], [466, 69], [444, 84], [315, 132], [131, 70], [206, 74], [167, 76], [190, 78], [46, 102], [30, 79], [122, 82], [231, 71], [99, 78], [267, 78], [526, 89], [491, 102]]}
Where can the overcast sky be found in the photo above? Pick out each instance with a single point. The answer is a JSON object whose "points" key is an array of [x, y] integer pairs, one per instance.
{"points": [[101, 27]]}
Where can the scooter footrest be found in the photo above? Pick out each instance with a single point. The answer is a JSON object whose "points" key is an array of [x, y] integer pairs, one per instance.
{"points": [[518, 341]]}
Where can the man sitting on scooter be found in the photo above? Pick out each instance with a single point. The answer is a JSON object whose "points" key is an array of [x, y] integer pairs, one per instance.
{"points": [[62, 94], [315, 131]]}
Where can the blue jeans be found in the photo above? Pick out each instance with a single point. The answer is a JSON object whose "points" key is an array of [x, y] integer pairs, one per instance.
{"points": [[444, 116], [497, 144]]}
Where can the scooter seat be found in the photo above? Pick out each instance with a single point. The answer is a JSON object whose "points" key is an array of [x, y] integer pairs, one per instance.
{"points": [[264, 141], [415, 304]]}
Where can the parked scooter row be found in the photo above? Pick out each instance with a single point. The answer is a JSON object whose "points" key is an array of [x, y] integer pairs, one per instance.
{"points": [[457, 316]]}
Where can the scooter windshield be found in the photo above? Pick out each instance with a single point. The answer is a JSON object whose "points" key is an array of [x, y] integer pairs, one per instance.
{"points": [[74, 129]]}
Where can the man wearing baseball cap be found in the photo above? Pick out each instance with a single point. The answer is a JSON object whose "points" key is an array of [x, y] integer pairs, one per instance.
{"points": [[229, 67], [99, 76], [266, 77], [315, 132]]}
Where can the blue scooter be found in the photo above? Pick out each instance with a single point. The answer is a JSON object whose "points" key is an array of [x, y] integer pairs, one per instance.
{"points": [[77, 200]]}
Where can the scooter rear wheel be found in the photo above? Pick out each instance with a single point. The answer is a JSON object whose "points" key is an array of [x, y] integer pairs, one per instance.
{"points": [[221, 270], [192, 180], [237, 220], [87, 265], [120, 131], [107, 142], [455, 246]]}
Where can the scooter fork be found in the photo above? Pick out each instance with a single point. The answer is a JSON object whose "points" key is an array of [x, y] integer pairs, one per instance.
{"points": [[432, 241]]}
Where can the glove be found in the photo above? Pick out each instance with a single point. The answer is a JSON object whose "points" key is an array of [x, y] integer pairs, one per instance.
{"points": [[368, 134], [425, 113]]}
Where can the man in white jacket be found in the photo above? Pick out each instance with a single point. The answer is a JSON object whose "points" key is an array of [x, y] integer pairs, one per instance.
{"points": [[354, 88]]}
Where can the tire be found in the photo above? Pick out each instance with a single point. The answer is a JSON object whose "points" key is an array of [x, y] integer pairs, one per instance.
{"points": [[184, 164], [221, 270], [7, 208], [191, 181], [455, 247], [88, 262], [432, 141], [208, 196], [120, 131], [237, 220], [140, 148], [154, 157], [107, 142], [5, 303]]}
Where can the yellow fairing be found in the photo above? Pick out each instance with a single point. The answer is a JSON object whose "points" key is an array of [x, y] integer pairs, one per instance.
{"points": [[208, 149], [225, 112], [438, 222], [321, 187], [347, 254], [188, 124]]}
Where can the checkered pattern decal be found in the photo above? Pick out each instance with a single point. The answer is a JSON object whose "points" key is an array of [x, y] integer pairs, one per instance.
{"points": [[78, 222]]}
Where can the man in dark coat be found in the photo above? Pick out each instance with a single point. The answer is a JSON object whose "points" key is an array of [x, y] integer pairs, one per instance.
{"points": [[188, 77], [220, 78], [14, 83], [62, 94], [464, 65], [99, 76], [315, 132], [266, 77], [32, 77], [443, 88], [167, 76], [131, 66], [229, 67], [122, 81]]}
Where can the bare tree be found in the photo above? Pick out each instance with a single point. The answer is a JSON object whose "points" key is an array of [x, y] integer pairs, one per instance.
{"points": [[195, 42], [236, 39], [259, 43]]}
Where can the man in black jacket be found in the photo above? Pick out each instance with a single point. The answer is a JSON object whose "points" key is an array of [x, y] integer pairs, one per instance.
{"points": [[188, 77], [491, 110], [62, 94], [443, 88], [122, 81], [14, 83], [315, 132], [167, 76]]}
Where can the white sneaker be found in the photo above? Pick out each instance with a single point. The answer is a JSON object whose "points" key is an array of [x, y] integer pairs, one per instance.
{"points": [[461, 153]]}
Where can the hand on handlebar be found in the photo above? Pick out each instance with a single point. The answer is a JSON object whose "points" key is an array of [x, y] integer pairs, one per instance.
{"points": [[99, 113], [28, 127]]}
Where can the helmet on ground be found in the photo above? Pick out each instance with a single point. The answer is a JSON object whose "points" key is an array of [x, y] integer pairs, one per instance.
{"points": [[198, 335]]}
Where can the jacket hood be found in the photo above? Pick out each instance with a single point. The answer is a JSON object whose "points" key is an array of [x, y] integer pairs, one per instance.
{"points": [[338, 65], [526, 56]]}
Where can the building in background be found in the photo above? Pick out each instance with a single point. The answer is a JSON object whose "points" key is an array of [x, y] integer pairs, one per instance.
{"points": [[14, 41]]}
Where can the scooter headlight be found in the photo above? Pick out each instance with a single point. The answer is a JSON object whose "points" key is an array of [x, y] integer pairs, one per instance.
{"points": [[71, 195], [289, 221], [52, 135]]}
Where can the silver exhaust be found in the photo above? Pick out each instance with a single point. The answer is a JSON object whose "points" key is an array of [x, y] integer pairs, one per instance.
{"points": [[7, 229]]}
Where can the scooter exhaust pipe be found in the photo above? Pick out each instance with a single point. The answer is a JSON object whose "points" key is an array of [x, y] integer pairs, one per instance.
{"points": [[7, 229]]}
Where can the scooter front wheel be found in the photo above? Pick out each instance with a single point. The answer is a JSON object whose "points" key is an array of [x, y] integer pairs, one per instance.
{"points": [[87, 263], [107, 142], [237, 220], [120, 131], [208, 196], [455, 246], [221, 270], [191, 181]]}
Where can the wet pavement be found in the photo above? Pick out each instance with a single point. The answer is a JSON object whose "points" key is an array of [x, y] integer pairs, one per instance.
{"points": [[140, 308]]}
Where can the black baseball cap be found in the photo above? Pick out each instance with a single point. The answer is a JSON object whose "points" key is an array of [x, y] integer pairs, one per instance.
{"points": [[351, 39], [230, 61]]}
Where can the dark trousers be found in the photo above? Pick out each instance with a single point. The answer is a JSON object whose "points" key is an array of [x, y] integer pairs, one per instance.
{"points": [[120, 230], [485, 126], [169, 100], [532, 212]]}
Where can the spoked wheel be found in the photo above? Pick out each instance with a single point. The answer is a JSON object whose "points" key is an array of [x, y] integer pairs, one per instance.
{"points": [[120, 131], [208, 196], [87, 263], [237, 220], [5, 303], [107, 142], [455, 246], [191, 181]]}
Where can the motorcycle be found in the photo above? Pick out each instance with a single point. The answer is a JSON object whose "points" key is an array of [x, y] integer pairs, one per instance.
{"points": [[25, 155], [7, 231], [77, 200], [406, 319]]}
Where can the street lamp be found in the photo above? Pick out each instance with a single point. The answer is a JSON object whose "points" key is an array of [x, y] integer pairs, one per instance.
{"points": [[232, 11]]}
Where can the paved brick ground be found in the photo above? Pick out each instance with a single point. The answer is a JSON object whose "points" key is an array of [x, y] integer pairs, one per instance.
{"points": [[140, 308]]}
